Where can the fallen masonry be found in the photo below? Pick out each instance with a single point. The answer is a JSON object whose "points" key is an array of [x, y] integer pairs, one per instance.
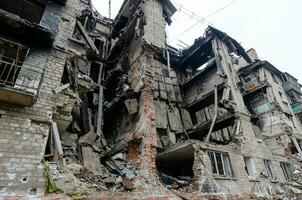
{"points": [[95, 108]]}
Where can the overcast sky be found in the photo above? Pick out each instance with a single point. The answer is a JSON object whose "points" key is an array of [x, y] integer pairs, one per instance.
{"points": [[272, 27]]}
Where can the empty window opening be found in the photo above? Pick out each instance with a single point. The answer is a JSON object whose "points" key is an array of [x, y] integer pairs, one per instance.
{"points": [[30, 10], [275, 78], [269, 169], [94, 72], [50, 148], [250, 167], [221, 163], [86, 23], [287, 170], [99, 45], [177, 162], [12, 57]]}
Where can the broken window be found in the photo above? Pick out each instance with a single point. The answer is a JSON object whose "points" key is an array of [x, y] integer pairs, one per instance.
{"points": [[275, 78], [49, 150], [221, 164], [12, 57], [176, 162], [86, 22], [284, 77], [287, 170], [30, 10], [250, 166], [99, 45], [269, 168]]}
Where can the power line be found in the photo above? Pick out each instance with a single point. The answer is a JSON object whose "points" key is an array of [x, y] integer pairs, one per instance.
{"points": [[200, 20]]}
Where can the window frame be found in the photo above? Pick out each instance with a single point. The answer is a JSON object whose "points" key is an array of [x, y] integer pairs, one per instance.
{"points": [[251, 162], [288, 175], [275, 78], [226, 164], [269, 168]]}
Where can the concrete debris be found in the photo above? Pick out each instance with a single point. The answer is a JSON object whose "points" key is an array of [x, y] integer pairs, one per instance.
{"points": [[128, 173], [132, 106], [117, 112], [61, 88], [91, 160]]}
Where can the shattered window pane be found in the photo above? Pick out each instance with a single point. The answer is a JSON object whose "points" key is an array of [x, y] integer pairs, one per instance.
{"points": [[221, 164], [275, 78], [227, 165], [269, 168], [211, 154], [287, 170]]}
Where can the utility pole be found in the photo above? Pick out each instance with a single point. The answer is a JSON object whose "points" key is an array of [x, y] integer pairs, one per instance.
{"points": [[109, 8]]}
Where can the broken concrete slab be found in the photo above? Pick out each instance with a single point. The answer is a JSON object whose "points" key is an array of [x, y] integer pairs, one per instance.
{"points": [[91, 160], [132, 106]]}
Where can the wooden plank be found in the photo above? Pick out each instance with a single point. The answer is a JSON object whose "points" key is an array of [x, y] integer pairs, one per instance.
{"points": [[56, 135], [87, 38]]}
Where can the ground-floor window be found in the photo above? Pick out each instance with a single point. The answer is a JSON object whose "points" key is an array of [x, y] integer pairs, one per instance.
{"points": [[269, 169], [221, 164], [287, 170]]}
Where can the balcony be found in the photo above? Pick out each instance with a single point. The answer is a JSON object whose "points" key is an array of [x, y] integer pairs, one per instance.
{"points": [[288, 86], [297, 107], [23, 31], [19, 82], [253, 87]]}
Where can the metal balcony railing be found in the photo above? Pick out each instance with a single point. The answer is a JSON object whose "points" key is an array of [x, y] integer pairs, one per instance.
{"points": [[14, 75]]}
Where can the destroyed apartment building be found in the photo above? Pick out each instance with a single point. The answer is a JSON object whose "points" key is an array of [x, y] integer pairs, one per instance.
{"points": [[101, 108]]}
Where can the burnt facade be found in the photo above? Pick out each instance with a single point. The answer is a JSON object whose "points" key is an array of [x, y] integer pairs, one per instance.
{"points": [[101, 108]]}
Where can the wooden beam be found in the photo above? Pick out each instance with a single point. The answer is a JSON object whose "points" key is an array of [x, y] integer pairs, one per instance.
{"points": [[56, 135], [87, 38]]}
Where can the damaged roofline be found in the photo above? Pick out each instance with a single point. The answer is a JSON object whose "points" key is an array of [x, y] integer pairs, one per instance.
{"points": [[231, 42], [259, 64], [126, 11], [210, 34]]}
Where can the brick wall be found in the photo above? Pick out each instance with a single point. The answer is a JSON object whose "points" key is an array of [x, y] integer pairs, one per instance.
{"points": [[24, 130]]}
